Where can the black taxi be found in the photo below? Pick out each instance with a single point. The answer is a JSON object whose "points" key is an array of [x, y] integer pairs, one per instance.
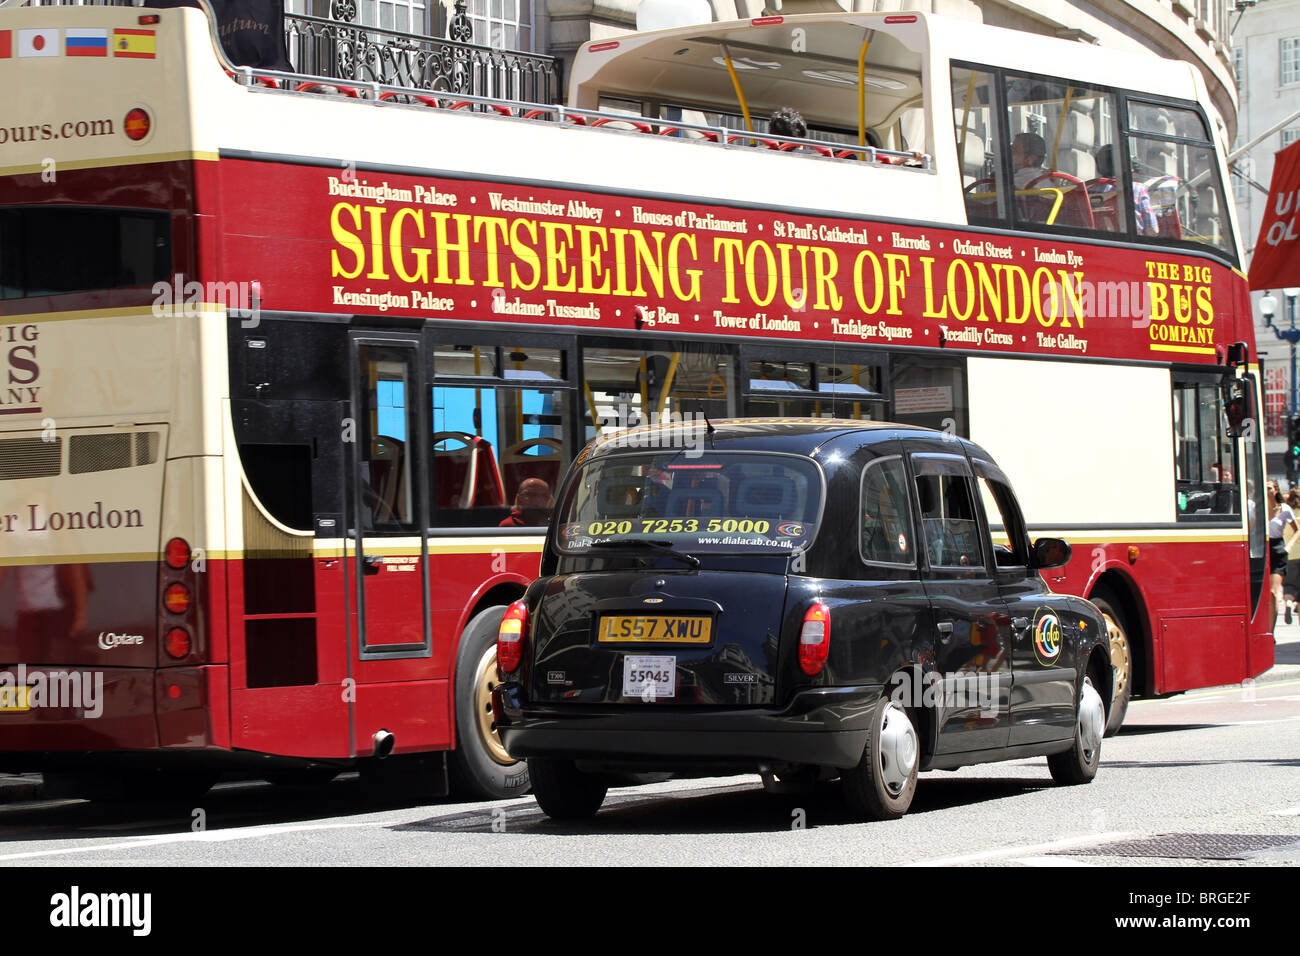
{"points": [[802, 599]]}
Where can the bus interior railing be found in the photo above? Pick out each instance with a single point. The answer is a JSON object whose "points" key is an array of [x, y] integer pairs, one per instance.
{"points": [[384, 94]]}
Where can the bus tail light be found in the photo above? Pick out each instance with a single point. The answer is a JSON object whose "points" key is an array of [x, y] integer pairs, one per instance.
{"points": [[815, 639], [177, 598], [178, 643], [510, 637], [177, 553]]}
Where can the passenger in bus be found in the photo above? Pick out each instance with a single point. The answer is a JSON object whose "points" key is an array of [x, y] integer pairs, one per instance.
{"points": [[533, 504], [1027, 154], [1144, 211], [787, 122]]}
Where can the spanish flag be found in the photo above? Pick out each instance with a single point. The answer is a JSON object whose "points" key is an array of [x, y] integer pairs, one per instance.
{"points": [[134, 43]]}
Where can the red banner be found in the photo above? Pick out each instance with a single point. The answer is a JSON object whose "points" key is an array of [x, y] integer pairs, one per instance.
{"points": [[1277, 250], [396, 245]]}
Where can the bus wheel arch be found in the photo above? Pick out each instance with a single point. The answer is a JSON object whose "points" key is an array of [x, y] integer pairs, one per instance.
{"points": [[1128, 640], [479, 765]]}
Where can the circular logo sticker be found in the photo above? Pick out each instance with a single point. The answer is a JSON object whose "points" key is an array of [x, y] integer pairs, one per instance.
{"points": [[902, 541], [791, 529], [1047, 637]]}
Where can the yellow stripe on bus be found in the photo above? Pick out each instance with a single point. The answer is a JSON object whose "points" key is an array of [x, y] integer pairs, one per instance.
{"points": [[1198, 350], [133, 159]]}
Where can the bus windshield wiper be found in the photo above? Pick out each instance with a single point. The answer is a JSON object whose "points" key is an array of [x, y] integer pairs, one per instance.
{"points": [[663, 547]]}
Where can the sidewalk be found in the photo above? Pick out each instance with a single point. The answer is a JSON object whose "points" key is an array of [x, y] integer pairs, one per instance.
{"points": [[18, 787]]}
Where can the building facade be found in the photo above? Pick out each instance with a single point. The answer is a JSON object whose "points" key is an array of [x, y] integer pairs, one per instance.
{"points": [[1266, 53]]}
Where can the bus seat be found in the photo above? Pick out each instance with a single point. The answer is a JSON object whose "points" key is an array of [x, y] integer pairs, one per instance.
{"points": [[465, 477], [770, 496], [532, 458], [693, 503]]}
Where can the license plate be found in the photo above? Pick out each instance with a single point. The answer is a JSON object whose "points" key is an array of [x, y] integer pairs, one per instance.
{"points": [[655, 629], [649, 677], [15, 698]]}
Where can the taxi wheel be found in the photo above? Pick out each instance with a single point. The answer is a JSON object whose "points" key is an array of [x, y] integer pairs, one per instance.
{"points": [[563, 791], [480, 766], [883, 783], [1079, 763], [1121, 661]]}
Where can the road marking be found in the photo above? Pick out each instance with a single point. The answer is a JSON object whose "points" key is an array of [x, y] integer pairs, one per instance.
{"points": [[1024, 850], [1288, 812], [206, 836], [1049, 861]]}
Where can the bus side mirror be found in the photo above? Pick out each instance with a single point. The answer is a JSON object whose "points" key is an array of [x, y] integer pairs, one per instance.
{"points": [[1238, 404], [1051, 553]]}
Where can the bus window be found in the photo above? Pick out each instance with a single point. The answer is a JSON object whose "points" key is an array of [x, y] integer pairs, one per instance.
{"points": [[975, 119], [930, 394], [53, 250], [1203, 453], [837, 389], [1174, 163], [487, 443], [625, 388], [387, 491], [1056, 132]]}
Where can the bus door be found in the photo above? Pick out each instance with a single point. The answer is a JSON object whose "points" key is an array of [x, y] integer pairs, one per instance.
{"points": [[388, 528]]}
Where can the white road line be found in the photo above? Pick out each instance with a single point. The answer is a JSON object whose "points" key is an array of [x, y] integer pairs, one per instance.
{"points": [[1049, 861], [1288, 812], [206, 836], [1024, 850]]}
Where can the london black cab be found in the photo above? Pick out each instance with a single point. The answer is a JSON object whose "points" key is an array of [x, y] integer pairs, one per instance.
{"points": [[805, 599]]}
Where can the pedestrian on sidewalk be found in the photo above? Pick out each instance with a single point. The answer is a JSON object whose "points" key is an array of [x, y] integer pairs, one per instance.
{"points": [[1280, 518]]}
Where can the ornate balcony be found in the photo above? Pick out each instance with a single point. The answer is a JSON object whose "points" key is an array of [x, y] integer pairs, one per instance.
{"points": [[341, 49]]}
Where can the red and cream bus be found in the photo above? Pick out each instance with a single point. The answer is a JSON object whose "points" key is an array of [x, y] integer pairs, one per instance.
{"points": [[284, 354]]}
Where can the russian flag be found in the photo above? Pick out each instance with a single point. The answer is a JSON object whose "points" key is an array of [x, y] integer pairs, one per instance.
{"points": [[84, 42]]}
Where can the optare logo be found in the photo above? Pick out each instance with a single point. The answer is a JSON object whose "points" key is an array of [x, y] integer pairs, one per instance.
{"points": [[1047, 637], [109, 640]]}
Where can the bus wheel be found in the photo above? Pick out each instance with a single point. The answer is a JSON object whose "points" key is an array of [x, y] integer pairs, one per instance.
{"points": [[1121, 660], [480, 766]]}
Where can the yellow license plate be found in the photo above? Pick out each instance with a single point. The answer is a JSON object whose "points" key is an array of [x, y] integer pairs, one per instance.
{"points": [[15, 698], [656, 629]]}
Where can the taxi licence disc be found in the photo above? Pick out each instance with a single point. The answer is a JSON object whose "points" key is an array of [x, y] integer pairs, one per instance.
{"points": [[15, 698], [655, 629], [649, 677]]}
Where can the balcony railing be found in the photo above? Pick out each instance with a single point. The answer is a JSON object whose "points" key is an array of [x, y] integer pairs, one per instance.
{"points": [[341, 49], [349, 51]]}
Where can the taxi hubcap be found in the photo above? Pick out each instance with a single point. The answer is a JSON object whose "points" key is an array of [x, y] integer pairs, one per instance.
{"points": [[898, 749], [1120, 661], [485, 679], [1092, 721]]}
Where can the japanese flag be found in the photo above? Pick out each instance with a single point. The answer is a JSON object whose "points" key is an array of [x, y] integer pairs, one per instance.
{"points": [[38, 42]]}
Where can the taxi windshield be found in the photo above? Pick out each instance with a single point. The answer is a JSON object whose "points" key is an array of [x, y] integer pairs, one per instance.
{"points": [[720, 502]]}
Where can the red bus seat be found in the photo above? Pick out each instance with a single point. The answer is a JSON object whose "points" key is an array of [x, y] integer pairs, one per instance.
{"points": [[545, 462]]}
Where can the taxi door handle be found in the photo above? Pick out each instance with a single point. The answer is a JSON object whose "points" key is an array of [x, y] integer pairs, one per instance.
{"points": [[1020, 623], [945, 630]]}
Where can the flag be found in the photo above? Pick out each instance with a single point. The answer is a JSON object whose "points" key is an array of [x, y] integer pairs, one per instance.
{"points": [[38, 42], [83, 42], [6, 44], [1276, 261], [251, 31], [134, 43]]}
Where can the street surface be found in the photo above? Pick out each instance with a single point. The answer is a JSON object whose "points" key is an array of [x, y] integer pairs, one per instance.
{"points": [[1207, 778]]}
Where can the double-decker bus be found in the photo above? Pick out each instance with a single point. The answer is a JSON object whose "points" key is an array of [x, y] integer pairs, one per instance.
{"points": [[294, 364]]}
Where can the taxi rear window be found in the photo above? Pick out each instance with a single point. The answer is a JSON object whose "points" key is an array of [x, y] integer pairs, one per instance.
{"points": [[720, 502]]}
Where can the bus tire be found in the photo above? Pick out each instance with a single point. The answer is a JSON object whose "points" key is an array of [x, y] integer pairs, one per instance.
{"points": [[1121, 659], [480, 766]]}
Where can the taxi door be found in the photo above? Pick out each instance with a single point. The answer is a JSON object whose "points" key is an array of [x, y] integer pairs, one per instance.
{"points": [[971, 700], [1042, 687]]}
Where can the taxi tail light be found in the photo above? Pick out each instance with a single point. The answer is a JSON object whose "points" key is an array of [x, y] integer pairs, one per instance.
{"points": [[815, 639], [510, 637]]}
